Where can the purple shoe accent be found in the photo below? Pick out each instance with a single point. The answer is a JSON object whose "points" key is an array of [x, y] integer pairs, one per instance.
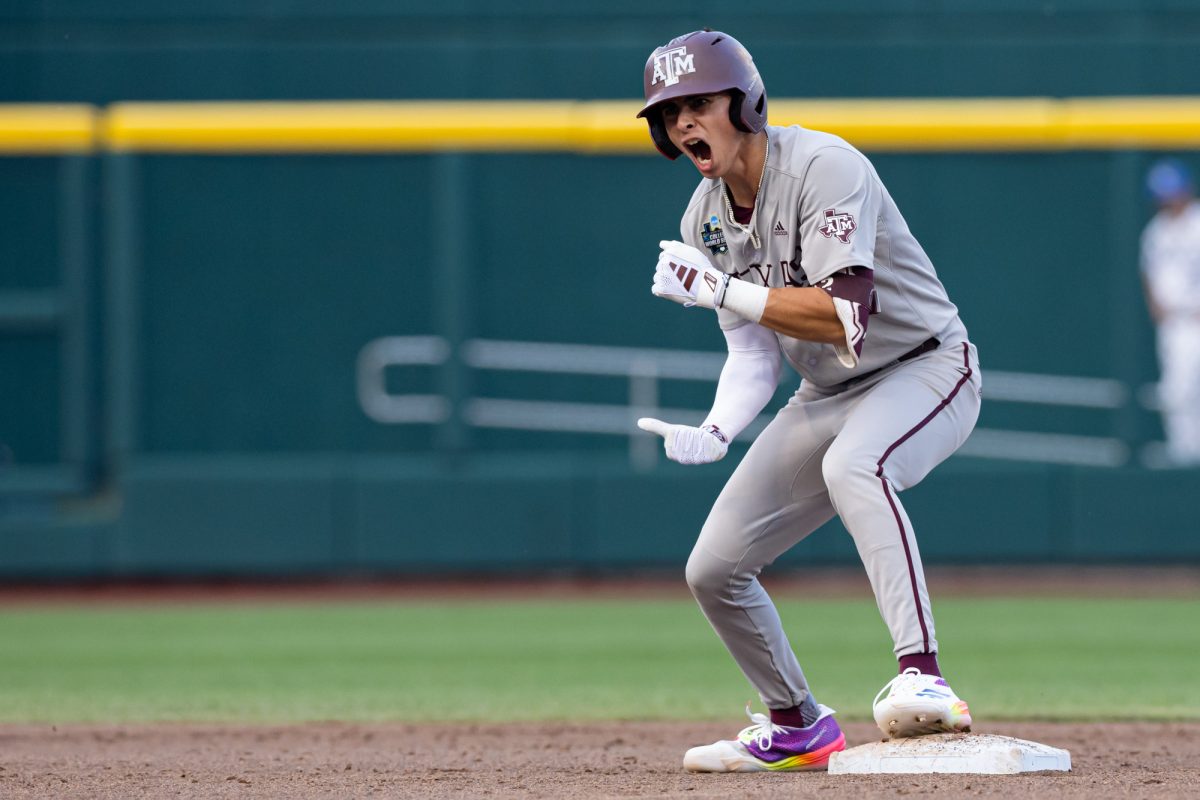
{"points": [[796, 743]]}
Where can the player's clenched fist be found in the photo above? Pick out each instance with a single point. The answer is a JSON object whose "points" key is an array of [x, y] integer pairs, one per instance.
{"points": [[686, 444], [685, 275]]}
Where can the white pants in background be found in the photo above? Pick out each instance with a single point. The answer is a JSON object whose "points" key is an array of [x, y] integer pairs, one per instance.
{"points": [[1179, 386]]}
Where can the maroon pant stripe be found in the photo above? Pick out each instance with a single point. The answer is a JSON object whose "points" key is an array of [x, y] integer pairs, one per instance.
{"points": [[912, 571]]}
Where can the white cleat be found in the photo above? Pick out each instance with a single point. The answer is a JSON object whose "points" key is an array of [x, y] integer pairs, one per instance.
{"points": [[914, 704], [723, 756], [766, 747]]}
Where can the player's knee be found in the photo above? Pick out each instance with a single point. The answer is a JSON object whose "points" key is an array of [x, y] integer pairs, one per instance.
{"points": [[707, 576], [842, 467]]}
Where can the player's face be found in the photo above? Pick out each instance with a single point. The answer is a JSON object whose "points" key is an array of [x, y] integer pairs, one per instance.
{"points": [[699, 126]]}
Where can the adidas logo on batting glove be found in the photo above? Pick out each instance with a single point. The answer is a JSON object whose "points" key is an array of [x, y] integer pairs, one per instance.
{"points": [[684, 275]]}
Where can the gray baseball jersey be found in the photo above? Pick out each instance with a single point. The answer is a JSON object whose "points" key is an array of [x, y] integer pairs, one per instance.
{"points": [[821, 208], [851, 438]]}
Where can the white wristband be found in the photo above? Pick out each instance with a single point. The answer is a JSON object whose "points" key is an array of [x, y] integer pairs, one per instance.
{"points": [[747, 300]]}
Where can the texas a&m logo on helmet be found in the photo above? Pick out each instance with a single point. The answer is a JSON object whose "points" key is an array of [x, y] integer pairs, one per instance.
{"points": [[669, 65]]}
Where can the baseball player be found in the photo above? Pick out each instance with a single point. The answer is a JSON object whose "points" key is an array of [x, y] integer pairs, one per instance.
{"points": [[796, 247], [1171, 278]]}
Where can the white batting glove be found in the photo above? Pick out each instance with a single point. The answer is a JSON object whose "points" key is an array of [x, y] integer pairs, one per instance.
{"points": [[686, 444], [685, 276]]}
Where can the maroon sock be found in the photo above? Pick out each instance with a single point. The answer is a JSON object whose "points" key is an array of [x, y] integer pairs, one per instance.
{"points": [[800, 716], [925, 662], [788, 717]]}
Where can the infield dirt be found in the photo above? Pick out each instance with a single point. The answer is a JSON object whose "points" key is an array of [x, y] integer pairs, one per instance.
{"points": [[555, 760], [603, 760]]}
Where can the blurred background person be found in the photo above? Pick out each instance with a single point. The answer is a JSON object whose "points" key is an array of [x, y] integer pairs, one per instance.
{"points": [[1170, 255]]}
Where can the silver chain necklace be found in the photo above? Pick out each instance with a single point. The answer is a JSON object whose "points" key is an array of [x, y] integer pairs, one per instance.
{"points": [[753, 214]]}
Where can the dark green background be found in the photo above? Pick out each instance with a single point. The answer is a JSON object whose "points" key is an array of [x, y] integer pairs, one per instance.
{"points": [[82, 50], [256, 281]]}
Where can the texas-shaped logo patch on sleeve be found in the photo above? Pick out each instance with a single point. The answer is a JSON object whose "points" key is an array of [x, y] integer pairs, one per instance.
{"points": [[838, 225]]}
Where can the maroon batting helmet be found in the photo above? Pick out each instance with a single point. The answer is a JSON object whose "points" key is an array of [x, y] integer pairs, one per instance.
{"points": [[703, 62]]}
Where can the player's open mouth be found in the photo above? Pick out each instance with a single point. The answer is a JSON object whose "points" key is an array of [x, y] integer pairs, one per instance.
{"points": [[699, 150]]}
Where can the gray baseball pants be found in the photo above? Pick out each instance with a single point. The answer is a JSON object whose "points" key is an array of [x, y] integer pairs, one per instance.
{"points": [[850, 454]]}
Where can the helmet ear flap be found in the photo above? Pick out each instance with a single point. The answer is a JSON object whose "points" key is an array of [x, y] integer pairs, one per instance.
{"points": [[745, 117], [658, 134], [737, 100]]}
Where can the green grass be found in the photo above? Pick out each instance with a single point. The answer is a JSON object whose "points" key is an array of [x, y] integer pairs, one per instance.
{"points": [[572, 659]]}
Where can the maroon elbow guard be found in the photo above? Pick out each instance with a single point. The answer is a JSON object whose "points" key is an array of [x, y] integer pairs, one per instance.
{"points": [[855, 286]]}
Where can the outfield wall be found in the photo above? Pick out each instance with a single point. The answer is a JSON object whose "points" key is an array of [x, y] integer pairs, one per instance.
{"points": [[190, 290], [259, 516]]}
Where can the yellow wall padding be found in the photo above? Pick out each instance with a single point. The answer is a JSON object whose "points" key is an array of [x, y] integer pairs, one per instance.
{"points": [[610, 126], [40, 128], [602, 127]]}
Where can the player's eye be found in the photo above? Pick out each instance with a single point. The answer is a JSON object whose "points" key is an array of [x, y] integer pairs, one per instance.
{"points": [[697, 103]]}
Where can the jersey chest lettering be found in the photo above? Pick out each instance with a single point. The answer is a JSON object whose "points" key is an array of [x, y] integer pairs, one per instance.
{"points": [[791, 273]]}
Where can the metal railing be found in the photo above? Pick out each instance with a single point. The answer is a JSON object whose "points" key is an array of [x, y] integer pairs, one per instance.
{"points": [[645, 368]]}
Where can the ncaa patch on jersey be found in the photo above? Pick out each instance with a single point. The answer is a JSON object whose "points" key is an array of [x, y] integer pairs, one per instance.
{"points": [[712, 235], [838, 225]]}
